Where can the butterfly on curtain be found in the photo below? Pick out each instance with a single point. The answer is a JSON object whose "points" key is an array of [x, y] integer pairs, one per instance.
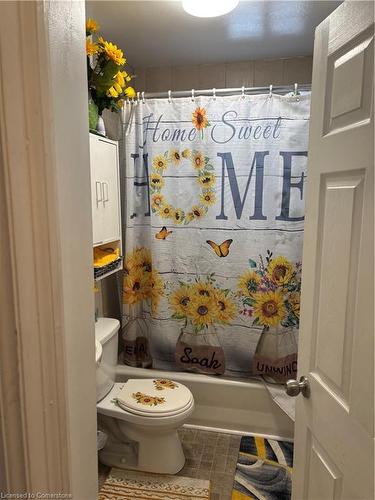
{"points": [[163, 233], [220, 250]]}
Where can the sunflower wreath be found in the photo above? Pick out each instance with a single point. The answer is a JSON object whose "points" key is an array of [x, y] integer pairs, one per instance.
{"points": [[205, 178]]}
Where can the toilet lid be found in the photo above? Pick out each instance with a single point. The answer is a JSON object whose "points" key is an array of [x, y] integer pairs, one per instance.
{"points": [[154, 396]]}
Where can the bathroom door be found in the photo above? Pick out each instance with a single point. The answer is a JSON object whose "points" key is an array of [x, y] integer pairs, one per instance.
{"points": [[334, 447]]}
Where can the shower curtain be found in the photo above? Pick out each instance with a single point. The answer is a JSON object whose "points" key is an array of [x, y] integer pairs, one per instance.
{"points": [[213, 212]]}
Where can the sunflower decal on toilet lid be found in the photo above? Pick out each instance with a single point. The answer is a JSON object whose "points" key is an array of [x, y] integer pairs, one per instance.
{"points": [[145, 399], [163, 383]]}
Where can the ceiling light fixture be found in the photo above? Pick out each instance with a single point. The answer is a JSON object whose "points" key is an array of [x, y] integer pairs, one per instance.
{"points": [[209, 8]]}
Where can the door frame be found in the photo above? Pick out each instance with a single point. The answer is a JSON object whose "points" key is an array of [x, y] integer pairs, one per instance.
{"points": [[47, 362]]}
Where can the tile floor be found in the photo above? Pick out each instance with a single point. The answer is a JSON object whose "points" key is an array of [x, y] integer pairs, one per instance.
{"points": [[209, 455]]}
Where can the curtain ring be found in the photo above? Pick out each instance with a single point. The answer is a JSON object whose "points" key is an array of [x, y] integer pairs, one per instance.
{"points": [[193, 95], [270, 94], [138, 98], [169, 96], [143, 97], [214, 93], [243, 92]]}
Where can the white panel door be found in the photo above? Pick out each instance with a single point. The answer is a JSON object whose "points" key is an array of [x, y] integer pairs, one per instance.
{"points": [[96, 191], [109, 175], [334, 446], [105, 190]]}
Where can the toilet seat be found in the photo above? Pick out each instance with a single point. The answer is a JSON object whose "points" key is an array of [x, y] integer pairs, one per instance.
{"points": [[142, 397], [120, 404]]}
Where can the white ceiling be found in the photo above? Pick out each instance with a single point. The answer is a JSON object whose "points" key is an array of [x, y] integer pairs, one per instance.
{"points": [[160, 33]]}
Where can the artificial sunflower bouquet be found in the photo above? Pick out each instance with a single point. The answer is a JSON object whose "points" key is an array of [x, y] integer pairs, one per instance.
{"points": [[141, 281], [270, 292], [202, 304], [108, 81]]}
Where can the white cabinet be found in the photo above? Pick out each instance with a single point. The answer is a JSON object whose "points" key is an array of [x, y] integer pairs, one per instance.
{"points": [[106, 207], [105, 190]]}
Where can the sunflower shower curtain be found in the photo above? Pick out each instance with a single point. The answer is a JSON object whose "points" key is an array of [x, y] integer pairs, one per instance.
{"points": [[213, 213]]}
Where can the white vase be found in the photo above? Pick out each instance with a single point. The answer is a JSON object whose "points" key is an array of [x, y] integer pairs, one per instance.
{"points": [[100, 128]]}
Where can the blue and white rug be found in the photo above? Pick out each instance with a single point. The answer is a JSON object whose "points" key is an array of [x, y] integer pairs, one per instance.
{"points": [[264, 469]]}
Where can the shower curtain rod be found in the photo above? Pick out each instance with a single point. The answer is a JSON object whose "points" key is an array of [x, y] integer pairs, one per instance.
{"points": [[277, 89]]}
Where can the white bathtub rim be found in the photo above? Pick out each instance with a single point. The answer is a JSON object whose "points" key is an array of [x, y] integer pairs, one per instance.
{"points": [[181, 376]]}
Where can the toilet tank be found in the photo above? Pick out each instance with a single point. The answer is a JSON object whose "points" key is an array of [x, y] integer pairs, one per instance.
{"points": [[106, 332]]}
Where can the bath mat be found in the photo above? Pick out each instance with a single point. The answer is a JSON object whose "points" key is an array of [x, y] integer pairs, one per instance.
{"points": [[128, 485], [264, 469]]}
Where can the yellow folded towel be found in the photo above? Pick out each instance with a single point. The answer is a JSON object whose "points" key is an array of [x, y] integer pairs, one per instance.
{"points": [[104, 256]]}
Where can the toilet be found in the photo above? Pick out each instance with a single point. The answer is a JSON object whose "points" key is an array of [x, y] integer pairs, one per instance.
{"points": [[140, 416]]}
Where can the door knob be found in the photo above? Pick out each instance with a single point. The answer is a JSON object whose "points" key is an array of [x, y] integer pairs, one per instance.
{"points": [[294, 387]]}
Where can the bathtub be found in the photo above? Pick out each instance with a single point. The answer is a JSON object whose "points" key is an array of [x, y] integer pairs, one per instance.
{"points": [[225, 404]]}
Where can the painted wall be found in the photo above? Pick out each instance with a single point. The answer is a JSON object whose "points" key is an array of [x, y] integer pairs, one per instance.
{"points": [[233, 74]]}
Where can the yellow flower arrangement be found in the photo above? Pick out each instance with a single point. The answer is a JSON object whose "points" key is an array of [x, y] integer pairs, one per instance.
{"points": [[269, 308], [108, 82], [249, 283], [203, 304], [270, 292], [280, 270]]}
